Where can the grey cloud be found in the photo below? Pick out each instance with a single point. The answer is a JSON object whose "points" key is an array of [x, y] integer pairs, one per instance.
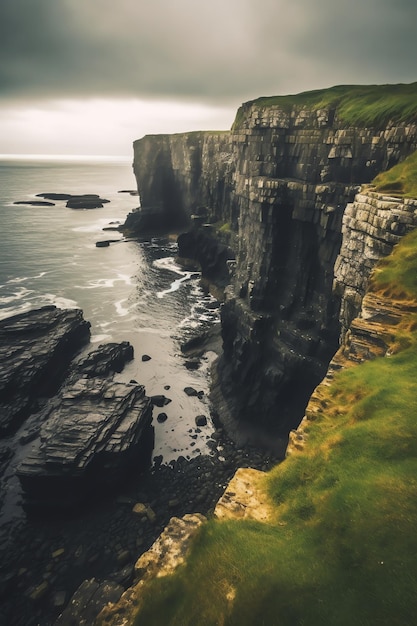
{"points": [[207, 51]]}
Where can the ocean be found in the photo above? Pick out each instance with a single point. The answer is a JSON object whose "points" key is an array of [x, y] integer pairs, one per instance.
{"points": [[130, 290]]}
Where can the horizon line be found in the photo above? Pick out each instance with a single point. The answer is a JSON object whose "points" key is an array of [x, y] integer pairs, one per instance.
{"points": [[48, 156]]}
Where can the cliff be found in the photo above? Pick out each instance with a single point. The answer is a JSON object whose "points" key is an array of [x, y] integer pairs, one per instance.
{"points": [[179, 175], [282, 180]]}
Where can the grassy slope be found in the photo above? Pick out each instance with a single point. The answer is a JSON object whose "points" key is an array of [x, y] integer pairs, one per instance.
{"points": [[357, 105], [343, 548], [400, 180]]}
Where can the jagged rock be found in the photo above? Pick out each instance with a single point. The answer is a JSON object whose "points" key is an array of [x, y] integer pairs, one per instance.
{"points": [[372, 225], [105, 359], [94, 431], [88, 601], [167, 553], [212, 255], [36, 349], [160, 400]]}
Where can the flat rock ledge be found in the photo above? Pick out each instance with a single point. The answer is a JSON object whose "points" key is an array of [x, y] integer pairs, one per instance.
{"points": [[93, 432], [245, 498]]}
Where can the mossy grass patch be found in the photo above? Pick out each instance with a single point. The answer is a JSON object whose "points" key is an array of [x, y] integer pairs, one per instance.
{"points": [[400, 180], [356, 105]]}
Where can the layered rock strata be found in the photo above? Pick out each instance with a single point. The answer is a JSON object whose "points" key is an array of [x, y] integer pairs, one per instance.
{"points": [[370, 336], [178, 175], [372, 225], [93, 432], [36, 349]]}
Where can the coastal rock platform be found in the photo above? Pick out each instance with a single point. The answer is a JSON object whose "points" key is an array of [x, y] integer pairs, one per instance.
{"points": [[36, 349]]}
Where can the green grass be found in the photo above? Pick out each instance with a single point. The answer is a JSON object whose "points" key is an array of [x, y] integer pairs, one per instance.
{"points": [[357, 105], [400, 180], [342, 549]]}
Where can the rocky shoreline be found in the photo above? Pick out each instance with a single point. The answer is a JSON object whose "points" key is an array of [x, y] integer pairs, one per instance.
{"points": [[62, 541], [47, 558]]}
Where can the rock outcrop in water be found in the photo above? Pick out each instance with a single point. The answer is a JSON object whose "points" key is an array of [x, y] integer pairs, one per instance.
{"points": [[87, 431], [281, 181], [36, 349]]}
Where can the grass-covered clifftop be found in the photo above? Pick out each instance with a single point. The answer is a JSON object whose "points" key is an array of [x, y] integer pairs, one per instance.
{"points": [[400, 180], [356, 105], [341, 548]]}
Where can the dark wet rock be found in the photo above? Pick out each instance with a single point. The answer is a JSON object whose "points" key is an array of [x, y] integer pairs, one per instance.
{"points": [[54, 196], [124, 576], [94, 431], [190, 391], [161, 418], [36, 349], [106, 242], [209, 340], [201, 420], [34, 203], [86, 201], [146, 357], [160, 400], [212, 255], [106, 359], [192, 365], [87, 602]]}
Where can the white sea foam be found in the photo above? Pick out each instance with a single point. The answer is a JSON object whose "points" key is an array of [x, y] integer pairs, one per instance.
{"points": [[168, 263], [107, 283], [120, 309], [59, 301], [23, 279], [95, 226], [98, 338], [174, 286], [17, 295]]}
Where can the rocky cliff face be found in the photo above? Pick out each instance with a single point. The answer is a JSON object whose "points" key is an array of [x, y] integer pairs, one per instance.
{"points": [[179, 175], [282, 180]]}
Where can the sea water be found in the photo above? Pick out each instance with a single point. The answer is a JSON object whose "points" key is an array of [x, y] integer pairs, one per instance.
{"points": [[131, 290]]}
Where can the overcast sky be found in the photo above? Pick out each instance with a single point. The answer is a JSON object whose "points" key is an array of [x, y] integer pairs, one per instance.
{"points": [[90, 76]]}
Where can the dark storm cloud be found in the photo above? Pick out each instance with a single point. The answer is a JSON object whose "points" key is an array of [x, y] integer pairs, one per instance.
{"points": [[221, 50]]}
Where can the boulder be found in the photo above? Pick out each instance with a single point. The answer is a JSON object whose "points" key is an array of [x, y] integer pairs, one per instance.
{"points": [[160, 400], [36, 349], [94, 431]]}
